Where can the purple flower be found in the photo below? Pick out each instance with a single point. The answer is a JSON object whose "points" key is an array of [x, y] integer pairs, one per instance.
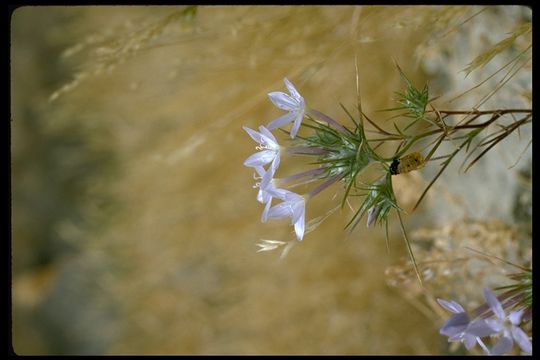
{"points": [[268, 146], [267, 179], [293, 206], [460, 327], [507, 326], [267, 189], [293, 103]]}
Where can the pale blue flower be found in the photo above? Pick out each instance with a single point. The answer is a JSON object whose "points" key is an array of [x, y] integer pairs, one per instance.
{"points": [[266, 177], [507, 326], [293, 206], [460, 327], [268, 146], [294, 104], [267, 189]]}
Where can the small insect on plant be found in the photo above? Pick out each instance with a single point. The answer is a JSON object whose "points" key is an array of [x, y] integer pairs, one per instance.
{"points": [[408, 163]]}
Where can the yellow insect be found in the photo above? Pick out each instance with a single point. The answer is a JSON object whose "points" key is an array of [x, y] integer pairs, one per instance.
{"points": [[409, 162]]}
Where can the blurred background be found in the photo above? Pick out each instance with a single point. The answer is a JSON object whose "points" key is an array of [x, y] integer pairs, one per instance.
{"points": [[134, 222]]}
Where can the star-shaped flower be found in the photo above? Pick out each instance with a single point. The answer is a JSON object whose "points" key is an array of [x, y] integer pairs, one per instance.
{"points": [[268, 146], [267, 189], [507, 326], [460, 327], [293, 103], [266, 177], [293, 206]]}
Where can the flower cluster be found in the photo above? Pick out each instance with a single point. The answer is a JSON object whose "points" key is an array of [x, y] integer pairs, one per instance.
{"points": [[490, 320], [292, 205], [341, 154]]}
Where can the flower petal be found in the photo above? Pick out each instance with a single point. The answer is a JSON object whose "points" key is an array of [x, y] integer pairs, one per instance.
{"points": [[451, 305], [299, 227], [264, 216], [292, 90], [280, 211], [496, 324], [298, 208], [455, 325], [280, 121], [267, 178], [270, 138], [494, 303], [275, 164], [480, 328], [283, 101], [515, 317], [457, 337], [296, 125], [469, 341], [522, 339], [261, 158], [502, 346], [278, 193], [255, 135], [263, 197]]}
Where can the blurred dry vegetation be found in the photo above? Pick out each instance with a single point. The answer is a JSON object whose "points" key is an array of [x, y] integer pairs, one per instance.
{"points": [[134, 222]]}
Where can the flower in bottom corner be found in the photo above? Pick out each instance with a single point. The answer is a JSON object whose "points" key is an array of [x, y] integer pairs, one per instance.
{"points": [[460, 328], [507, 326]]}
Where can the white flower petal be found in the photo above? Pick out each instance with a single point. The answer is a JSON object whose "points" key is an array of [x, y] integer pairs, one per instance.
{"points": [[280, 121], [451, 306], [502, 346], [494, 303], [515, 317], [296, 125], [264, 216], [262, 196], [522, 339], [456, 325], [480, 328], [456, 337], [267, 178], [298, 208], [469, 341], [496, 324], [255, 135], [283, 101], [275, 164], [299, 227], [279, 193], [266, 183], [280, 211], [265, 137], [261, 158], [292, 90], [271, 140], [291, 196]]}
